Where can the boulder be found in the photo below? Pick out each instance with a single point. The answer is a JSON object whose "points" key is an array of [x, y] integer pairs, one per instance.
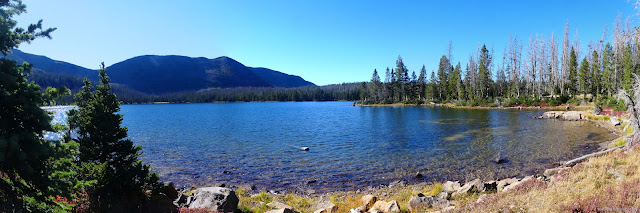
{"points": [[471, 186], [385, 207], [170, 190], [490, 186], [325, 208], [360, 209], [368, 201], [614, 121], [285, 210], [441, 195], [505, 182], [550, 114], [514, 185], [572, 115], [278, 205], [450, 186], [214, 198], [418, 204]]}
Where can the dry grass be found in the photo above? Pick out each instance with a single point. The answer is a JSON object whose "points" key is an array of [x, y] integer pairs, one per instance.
{"points": [[604, 183]]}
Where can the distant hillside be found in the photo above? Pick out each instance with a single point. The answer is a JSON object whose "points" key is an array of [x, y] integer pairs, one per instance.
{"points": [[152, 74], [278, 79]]}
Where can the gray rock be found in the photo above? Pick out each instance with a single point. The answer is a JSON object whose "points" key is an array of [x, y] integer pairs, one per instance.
{"points": [[214, 198], [450, 186], [278, 205], [505, 182], [471, 186], [418, 204], [385, 207], [572, 115], [614, 121], [514, 185], [325, 208], [551, 172], [441, 195], [368, 201], [360, 209]]}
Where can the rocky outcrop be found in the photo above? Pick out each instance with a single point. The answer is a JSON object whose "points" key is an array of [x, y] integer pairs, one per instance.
{"points": [[505, 182], [285, 210], [419, 204], [214, 198], [471, 186]]}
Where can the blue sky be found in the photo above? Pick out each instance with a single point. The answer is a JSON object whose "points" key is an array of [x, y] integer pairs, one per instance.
{"points": [[325, 42]]}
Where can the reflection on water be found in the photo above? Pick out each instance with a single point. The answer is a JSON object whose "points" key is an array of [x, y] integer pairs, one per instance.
{"points": [[350, 147]]}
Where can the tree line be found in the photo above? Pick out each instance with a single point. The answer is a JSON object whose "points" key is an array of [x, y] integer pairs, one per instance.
{"points": [[543, 74]]}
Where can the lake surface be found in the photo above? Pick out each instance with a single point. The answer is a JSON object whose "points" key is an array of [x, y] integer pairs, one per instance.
{"points": [[350, 147]]}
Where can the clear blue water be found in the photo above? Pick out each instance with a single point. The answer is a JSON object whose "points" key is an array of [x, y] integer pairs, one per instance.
{"points": [[350, 147]]}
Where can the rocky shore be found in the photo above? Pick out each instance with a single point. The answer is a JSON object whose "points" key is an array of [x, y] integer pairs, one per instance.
{"points": [[393, 198]]}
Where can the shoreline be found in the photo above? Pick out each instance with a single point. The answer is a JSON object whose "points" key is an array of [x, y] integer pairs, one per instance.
{"points": [[402, 192]]}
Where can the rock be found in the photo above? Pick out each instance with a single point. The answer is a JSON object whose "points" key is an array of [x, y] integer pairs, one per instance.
{"points": [[513, 185], [325, 208], [312, 181], [385, 207], [169, 190], [360, 209], [471, 186], [572, 115], [420, 195], [278, 205], [505, 182], [400, 183], [418, 204], [451, 186], [614, 121], [490, 186], [181, 201], [551, 114], [442, 195], [551, 172], [418, 175], [214, 198], [368, 201], [161, 203], [285, 210], [450, 208]]}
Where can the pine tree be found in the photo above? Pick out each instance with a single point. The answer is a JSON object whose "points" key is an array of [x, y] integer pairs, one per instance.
{"points": [[596, 75], [484, 74], [443, 78], [608, 77], [584, 76], [107, 155], [28, 177]]}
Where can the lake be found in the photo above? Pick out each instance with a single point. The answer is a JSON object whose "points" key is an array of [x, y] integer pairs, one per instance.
{"points": [[350, 147]]}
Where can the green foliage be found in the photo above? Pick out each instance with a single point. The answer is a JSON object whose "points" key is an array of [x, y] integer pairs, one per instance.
{"points": [[106, 155]]}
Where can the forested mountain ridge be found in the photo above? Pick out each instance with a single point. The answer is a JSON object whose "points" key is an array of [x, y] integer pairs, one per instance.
{"points": [[152, 74]]}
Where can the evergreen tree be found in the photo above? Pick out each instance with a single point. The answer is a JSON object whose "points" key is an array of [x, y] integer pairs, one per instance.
{"points": [[107, 155], [30, 175], [584, 76], [443, 74], [596, 75], [484, 74], [608, 79], [454, 83]]}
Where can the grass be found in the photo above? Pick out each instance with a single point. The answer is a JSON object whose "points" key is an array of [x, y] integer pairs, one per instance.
{"points": [[601, 183]]}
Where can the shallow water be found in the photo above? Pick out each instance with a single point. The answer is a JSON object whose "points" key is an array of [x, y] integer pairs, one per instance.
{"points": [[350, 147]]}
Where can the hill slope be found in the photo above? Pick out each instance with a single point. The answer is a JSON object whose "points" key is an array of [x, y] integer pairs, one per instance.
{"points": [[154, 74]]}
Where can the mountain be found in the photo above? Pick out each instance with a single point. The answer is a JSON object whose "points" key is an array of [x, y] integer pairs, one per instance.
{"points": [[278, 79], [45, 64], [153, 74]]}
